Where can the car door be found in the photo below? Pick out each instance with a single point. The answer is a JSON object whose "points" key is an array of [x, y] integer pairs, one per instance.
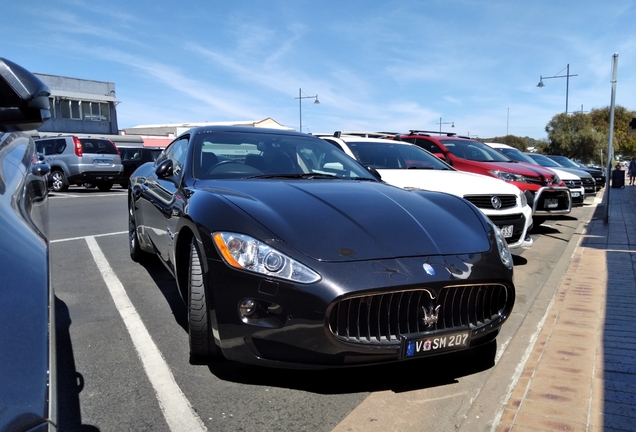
{"points": [[161, 204]]}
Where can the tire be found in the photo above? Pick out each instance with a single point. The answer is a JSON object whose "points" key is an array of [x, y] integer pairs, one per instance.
{"points": [[136, 254], [104, 187], [60, 183], [202, 343]]}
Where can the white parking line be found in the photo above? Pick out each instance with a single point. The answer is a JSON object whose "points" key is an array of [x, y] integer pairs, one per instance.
{"points": [[175, 406]]}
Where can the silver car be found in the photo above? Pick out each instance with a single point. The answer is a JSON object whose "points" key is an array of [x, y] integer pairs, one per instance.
{"points": [[77, 160]]}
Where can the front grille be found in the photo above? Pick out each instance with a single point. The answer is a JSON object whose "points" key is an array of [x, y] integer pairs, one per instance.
{"points": [[536, 181], [380, 319], [573, 184], [486, 201]]}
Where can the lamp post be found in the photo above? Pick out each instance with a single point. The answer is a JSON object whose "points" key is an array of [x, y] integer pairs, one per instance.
{"points": [[441, 123], [300, 105], [567, 83]]}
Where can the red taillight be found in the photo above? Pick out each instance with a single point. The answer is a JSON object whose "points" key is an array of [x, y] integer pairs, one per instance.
{"points": [[116, 148], [78, 146]]}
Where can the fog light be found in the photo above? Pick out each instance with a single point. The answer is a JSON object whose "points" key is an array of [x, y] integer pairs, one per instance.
{"points": [[247, 308]]}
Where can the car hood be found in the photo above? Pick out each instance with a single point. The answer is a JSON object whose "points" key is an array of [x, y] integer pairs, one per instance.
{"points": [[518, 168], [337, 220], [454, 182]]}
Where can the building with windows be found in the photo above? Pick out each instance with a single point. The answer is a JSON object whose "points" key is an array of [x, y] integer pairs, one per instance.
{"points": [[80, 106]]}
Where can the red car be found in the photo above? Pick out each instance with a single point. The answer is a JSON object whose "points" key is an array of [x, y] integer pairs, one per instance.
{"points": [[546, 193]]}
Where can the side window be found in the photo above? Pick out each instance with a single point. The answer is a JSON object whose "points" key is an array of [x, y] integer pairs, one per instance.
{"points": [[177, 153], [60, 145]]}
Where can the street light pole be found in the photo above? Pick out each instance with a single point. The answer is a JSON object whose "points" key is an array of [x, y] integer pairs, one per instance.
{"points": [[567, 83], [440, 124], [300, 105]]}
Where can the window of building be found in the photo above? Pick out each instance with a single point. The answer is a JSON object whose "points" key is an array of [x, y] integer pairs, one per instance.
{"points": [[85, 110]]}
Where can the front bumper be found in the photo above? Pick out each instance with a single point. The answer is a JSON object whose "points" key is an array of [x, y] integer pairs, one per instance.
{"points": [[360, 313], [549, 201]]}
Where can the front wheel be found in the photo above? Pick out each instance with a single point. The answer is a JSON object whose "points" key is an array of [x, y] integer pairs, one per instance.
{"points": [[136, 254], [200, 329]]}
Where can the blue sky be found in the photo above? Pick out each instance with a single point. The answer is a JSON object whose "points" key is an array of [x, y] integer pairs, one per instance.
{"points": [[375, 65]]}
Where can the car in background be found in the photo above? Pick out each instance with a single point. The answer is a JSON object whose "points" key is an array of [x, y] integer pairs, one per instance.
{"points": [[81, 160], [571, 180], [289, 253], [410, 167], [134, 157], [598, 175], [28, 378], [586, 178], [545, 191]]}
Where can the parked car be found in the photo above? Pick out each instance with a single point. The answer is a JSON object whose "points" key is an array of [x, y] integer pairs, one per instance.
{"points": [[28, 395], [289, 253], [81, 160], [589, 183], [545, 191], [410, 167], [598, 175], [133, 157], [571, 180]]}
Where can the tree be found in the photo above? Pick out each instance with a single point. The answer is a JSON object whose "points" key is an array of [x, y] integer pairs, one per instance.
{"points": [[623, 142], [574, 136], [512, 140]]}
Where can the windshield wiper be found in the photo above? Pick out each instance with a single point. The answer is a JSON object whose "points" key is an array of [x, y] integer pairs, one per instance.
{"points": [[306, 176]]}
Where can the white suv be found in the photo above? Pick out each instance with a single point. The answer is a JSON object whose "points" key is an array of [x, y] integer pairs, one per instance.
{"points": [[410, 167]]}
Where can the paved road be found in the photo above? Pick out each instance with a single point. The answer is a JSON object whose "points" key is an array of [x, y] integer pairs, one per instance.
{"points": [[122, 347]]}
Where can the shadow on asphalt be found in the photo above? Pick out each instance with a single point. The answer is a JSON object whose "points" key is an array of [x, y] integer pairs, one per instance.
{"points": [[397, 377], [70, 383]]}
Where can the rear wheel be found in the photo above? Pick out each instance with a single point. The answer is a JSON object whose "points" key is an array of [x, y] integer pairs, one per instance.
{"points": [[60, 183], [200, 329]]}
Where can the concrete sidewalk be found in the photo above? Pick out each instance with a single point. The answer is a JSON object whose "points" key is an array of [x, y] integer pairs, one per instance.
{"points": [[581, 373]]}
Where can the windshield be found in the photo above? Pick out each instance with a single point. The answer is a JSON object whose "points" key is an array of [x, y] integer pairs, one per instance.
{"points": [[395, 156], [258, 154], [518, 155], [473, 150], [545, 161], [563, 161]]}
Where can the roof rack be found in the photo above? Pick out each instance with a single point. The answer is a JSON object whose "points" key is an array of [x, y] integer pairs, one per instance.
{"points": [[425, 132], [370, 134]]}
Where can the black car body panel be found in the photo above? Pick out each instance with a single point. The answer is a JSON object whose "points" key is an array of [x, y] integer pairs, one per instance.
{"points": [[372, 245], [27, 324]]}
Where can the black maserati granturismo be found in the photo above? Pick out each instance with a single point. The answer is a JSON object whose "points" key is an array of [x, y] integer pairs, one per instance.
{"points": [[289, 253]]}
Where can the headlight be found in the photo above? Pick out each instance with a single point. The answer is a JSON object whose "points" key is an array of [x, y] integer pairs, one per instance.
{"points": [[524, 199], [507, 176], [556, 180], [246, 253], [502, 247]]}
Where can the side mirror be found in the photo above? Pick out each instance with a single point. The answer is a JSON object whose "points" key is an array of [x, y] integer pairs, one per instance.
{"points": [[164, 169], [443, 157], [24, 99], [374, 172]]}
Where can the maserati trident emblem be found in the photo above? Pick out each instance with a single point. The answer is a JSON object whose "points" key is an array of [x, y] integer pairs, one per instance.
{"points": [[496, 202], [430, 316], [429, 269]]}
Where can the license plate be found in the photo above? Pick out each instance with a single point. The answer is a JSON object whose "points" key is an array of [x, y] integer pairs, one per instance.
{"points": [[551, 203], [506, 230], [575, 194], [433, 344], [101, 162]]}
